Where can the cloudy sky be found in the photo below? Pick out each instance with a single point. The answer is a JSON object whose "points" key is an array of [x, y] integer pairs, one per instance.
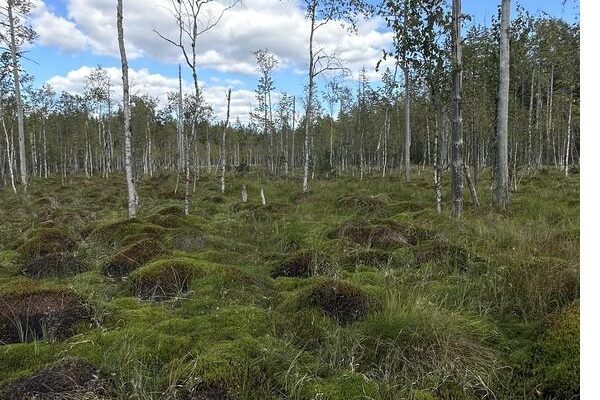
{"points": [[77, 35]]}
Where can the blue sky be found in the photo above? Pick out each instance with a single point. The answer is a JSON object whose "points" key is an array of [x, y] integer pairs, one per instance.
{"points": [[75, 35]]}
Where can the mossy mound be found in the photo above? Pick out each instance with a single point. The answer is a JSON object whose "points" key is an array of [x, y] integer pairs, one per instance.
{"points": [[555, 361], [170, 221], [201, 391], [39, 314], [172, 210], [53, 265], [215, 199], [380, 234], [70, 378], [535, 287], [163, 279], [116, 232], [369, 257], [187, 240], [45, 241], [441, 252], [407, 207], [296, 265], [172, 195], [258, 211], [362, 203], [133, 257], [340, 300]]}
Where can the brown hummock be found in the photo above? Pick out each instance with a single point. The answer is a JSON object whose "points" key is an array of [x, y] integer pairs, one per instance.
{"points": [[340, 300], [53, 265], [71, 378], [133, 257], [297, 265], [45, 314]]}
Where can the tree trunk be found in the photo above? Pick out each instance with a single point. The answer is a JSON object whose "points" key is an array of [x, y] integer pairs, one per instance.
{"points": [[502, 192], [18, 101], [406, 123], [457, 134], [309, 100], [223, 155], [131, 192], [568, 146]]}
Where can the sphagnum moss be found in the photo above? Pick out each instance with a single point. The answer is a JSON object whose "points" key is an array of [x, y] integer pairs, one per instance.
{"points": [[390, 292]]}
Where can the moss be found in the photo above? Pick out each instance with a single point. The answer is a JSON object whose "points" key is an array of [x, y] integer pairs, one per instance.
{"points": [[53, 265], [134, 256], [340, 300], [343, 385], [368, 257], [168, 220], [298, 265], [380, 234], [116, 232], [441, 252], [45, 241], [164, 279], [68, 378], [36, 313], [555, 359], [362, 203], [172, 210]]}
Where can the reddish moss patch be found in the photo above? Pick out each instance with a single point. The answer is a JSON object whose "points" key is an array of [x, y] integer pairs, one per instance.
{"points": [[340, 300], [53, 265], [133, 257], [37, 315], [71, 378], [45, 241]]}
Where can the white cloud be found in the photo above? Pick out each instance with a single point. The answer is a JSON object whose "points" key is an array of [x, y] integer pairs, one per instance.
{"points": [[56, 31], [277, 25], [158, 86]]}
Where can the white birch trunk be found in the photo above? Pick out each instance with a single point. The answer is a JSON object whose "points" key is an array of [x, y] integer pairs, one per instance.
{"points": [[131, 192]]}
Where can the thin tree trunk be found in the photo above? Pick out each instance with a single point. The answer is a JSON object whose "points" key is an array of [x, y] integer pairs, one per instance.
{"points": [[18, 101], [131, 192], [223, 155], [457, 134], [502, 195], [568, 146]]}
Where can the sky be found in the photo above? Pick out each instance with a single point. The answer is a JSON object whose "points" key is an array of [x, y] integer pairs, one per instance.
{"points": [[75, 36]]}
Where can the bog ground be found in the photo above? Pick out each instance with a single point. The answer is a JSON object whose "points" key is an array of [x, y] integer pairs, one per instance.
{"points": [[355, 290]]}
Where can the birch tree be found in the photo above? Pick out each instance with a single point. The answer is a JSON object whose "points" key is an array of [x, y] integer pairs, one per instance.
{"points": [[320, 60], [457, 134], [502, 180], [131, 192], [223, 155], [15, 34], [193, 19]]}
